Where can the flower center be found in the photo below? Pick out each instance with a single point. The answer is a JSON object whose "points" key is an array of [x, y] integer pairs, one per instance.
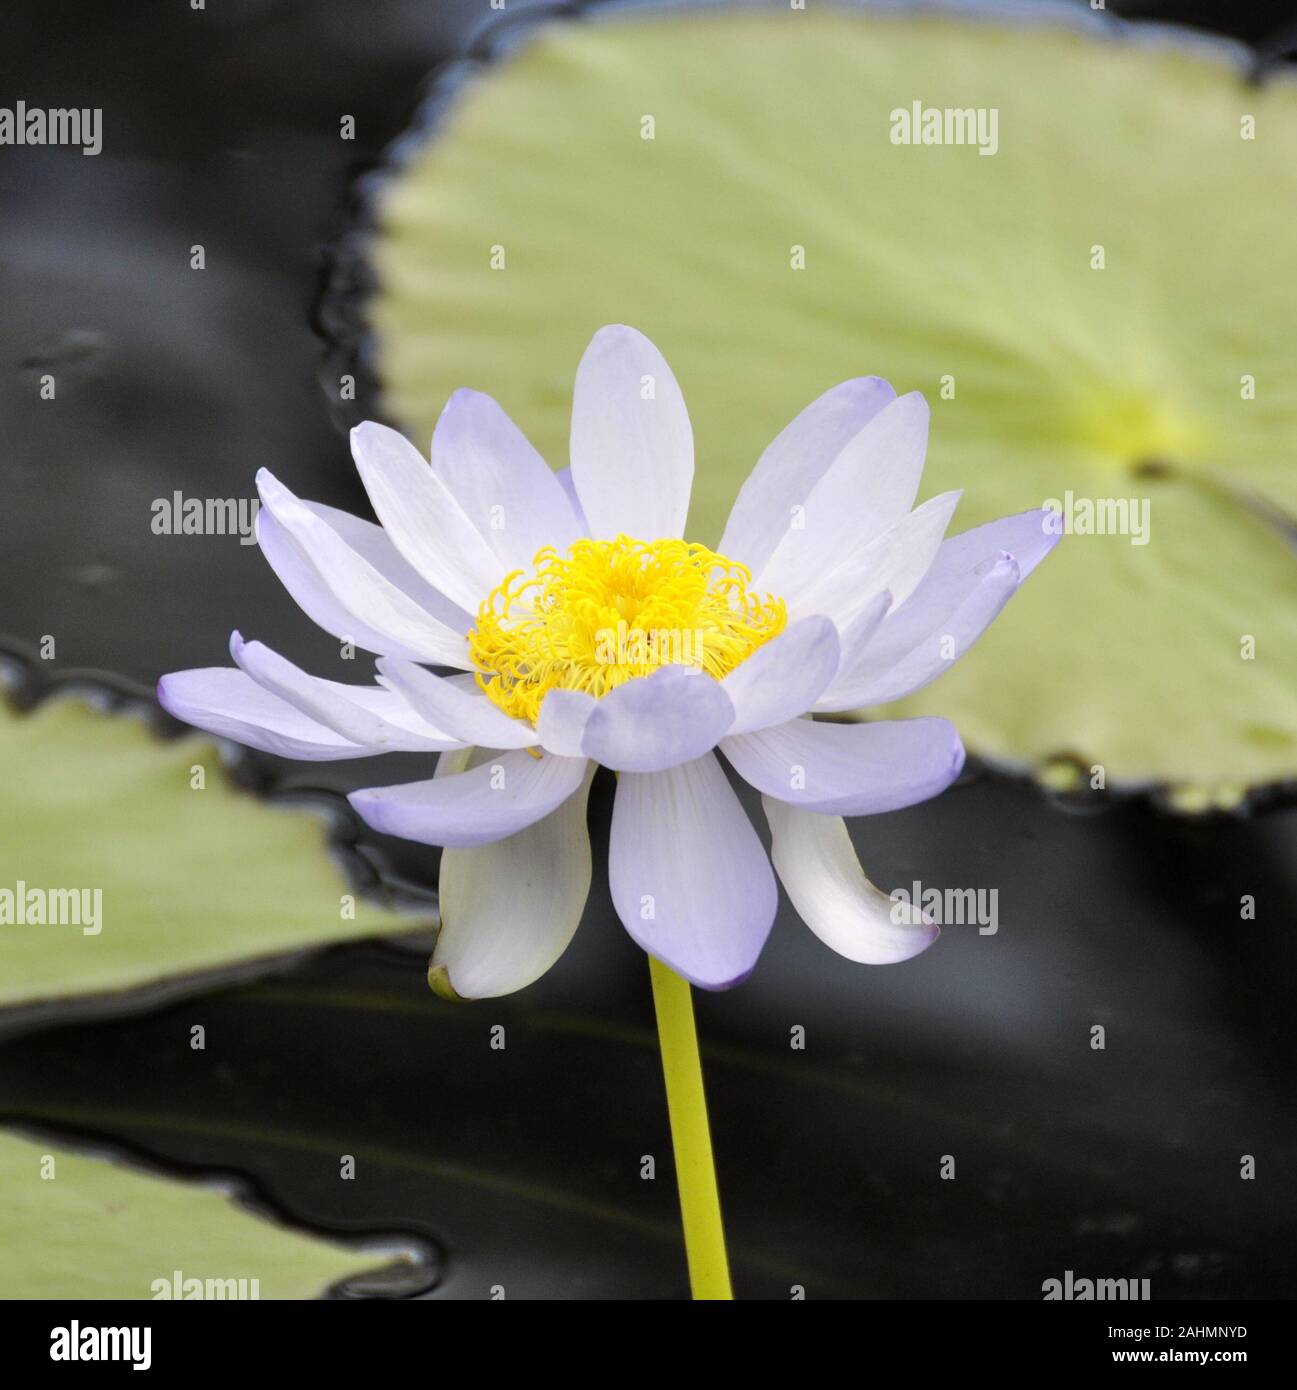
{"points": [[609, 611]]}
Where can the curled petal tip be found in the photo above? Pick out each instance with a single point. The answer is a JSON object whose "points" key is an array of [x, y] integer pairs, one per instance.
{"points": [[958, 757], [439, 983]]}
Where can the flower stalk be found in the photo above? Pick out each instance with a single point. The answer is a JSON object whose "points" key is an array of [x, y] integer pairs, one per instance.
{"points": [[700, 1204]]}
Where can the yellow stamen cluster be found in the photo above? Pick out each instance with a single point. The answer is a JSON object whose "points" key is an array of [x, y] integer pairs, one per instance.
{"points": [[609, 611]]}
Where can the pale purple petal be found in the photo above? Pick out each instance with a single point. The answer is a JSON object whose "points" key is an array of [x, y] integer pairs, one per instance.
{"points": [[1024, 535], [690, 879], [657, 721], [230, 704], [885, 670], [632, 444], [505, 488], [510, 908], [374, 544], [564, 476], [342, 708], [861, 632], [784, 677], [842, 584], [498, 798], [868, 488], [970, 580], [562, 721], [425, 523], [800, 455], [816, 862], [850, 769], [456, 706], [345, 593]]}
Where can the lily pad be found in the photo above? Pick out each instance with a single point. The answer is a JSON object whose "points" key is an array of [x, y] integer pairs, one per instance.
{"points": [[139, 874], [542, 209], [81, 1227]]}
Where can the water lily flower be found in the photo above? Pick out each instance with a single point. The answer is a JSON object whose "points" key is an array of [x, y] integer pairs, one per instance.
{"points": [[586, 630]]}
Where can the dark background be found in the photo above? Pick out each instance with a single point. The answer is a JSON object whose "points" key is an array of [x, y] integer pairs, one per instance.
{"points": [[522, 1167]]}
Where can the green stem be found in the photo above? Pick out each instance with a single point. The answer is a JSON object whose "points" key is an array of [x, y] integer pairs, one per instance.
{"points": [[700, 1203]]}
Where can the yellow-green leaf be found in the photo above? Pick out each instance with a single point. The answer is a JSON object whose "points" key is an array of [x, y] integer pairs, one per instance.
{"points": [[188, 878], [81, 1227]]}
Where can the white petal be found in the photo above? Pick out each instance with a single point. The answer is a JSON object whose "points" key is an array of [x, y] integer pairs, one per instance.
{"points": [[844, 584], [632, 444], [505, 488], [817, 865], [375, 545], [785, 677], [868, 487], [801, 454], [467, 713], [690, 879], [339, 707], [340, 583], [509, 909], [424, 521]]}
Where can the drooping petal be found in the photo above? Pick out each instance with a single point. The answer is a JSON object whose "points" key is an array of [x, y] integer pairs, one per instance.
{"points": [[632, 444], [342, 590], [657, 721], [562, 721], [226, 702], [487, 803], [426, 524], [843, 584], [509, 909], [505, 488], [850, 769], [466, 712], [816, 862], [800, 455], [972, 577], [690, 879], [350, 711], [785, 677]]}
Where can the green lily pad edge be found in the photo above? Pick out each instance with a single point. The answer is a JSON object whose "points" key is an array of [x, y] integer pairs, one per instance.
{"points": [[158, 875], [78, 1226]]}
